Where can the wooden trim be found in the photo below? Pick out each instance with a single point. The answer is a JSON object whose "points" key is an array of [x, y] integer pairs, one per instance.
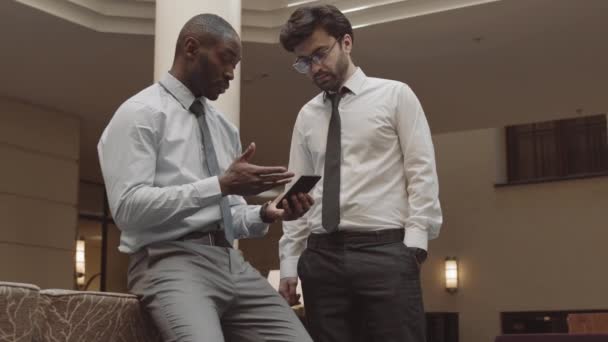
{"points": [[95, 217], [554, 179]]}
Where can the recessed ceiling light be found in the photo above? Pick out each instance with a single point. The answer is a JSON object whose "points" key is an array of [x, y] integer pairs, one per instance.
{"points": [[355, 9], [361, 25], [298, 3]]}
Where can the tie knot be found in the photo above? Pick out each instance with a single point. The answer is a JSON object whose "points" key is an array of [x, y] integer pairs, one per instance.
{"points": [[197, 108], [334, 98], [337, 96]]}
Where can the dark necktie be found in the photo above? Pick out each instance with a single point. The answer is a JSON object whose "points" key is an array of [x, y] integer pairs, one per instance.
{"points": [[212, 165], [331, 176]]}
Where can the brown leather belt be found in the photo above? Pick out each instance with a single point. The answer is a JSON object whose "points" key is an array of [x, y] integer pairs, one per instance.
{"points": [[212, 238]]}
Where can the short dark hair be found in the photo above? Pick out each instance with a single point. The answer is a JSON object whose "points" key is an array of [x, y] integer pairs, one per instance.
{"points": [[208, 28], [305, 20]]}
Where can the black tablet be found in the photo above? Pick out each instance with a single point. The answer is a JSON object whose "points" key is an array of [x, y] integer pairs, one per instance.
{"points": [[303, 185]]}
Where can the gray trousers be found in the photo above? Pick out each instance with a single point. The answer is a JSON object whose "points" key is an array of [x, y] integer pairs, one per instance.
{"points": [[200, 293]]}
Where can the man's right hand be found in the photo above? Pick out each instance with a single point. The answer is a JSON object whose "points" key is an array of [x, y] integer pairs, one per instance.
{"points": [[287, 289], [243, 178]]}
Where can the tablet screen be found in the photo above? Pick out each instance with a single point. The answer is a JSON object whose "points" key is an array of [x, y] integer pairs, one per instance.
{"points": [[303, 185]]}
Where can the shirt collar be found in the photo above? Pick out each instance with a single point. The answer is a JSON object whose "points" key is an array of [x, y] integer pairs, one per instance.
{"points": [[179, 91], [353, 84], [355, 81]]}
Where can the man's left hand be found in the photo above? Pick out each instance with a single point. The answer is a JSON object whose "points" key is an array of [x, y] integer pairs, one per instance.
{"points": [[292, 210], [420, 255]]}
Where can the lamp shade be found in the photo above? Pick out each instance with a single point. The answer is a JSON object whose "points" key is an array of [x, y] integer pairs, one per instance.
{"points": [[451, 274]]}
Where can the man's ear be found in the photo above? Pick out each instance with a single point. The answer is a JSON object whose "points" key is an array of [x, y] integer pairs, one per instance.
{"points": [[190, 47], [347, 43]]}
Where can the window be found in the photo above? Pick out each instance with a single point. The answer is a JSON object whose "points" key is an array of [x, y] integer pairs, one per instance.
{"points": [[557, 149]]}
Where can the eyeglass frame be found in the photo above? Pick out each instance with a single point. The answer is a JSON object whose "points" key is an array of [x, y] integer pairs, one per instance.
{"points": [[316, 58]]}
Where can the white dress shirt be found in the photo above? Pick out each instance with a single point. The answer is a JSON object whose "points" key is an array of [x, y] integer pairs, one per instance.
{"points": [[388, 175], [152, 161]]}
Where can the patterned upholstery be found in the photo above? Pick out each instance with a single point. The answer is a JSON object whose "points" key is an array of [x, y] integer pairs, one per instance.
{"points": [[18, 304], [71, 316]]}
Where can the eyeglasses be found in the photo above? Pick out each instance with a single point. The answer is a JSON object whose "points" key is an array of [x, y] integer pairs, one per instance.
{"points": [[304, 63]]}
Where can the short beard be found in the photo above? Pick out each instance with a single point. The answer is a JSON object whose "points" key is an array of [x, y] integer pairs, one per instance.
{"points": [[339, 75], [201, 83]]}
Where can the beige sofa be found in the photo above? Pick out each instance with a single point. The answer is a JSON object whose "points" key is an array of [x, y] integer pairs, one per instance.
{"points": [[30, 314]]}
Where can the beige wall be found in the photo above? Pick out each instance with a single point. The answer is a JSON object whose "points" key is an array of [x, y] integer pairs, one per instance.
{"points": [[528, 247], [38, 194]]}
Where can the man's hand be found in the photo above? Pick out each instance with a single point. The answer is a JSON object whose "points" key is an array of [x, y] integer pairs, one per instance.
{"points": [[420, 254], [243, 178], [287, 289], [292, 210]]}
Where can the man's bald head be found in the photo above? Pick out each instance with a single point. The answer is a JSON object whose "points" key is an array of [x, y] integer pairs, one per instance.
{"points": [[207, 52], [208, 29]]}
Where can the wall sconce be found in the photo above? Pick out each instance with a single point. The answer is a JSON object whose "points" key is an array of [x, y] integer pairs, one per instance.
{"points": [[80, 263], [451, 274]]}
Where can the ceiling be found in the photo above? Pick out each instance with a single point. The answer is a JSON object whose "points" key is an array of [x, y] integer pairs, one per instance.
{"points": [[483, 66], [260, 19]]}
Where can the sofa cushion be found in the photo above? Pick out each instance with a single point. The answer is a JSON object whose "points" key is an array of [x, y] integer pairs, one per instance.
{"points": [[67, 316], [18, 303]]}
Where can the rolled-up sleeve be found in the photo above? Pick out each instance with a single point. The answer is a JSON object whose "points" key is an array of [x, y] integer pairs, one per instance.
{"points": [[245, 218]]}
